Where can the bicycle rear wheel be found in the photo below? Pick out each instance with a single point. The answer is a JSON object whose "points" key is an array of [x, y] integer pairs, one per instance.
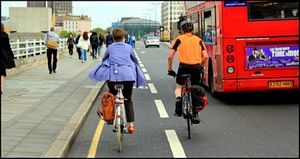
{"points": [[189, 124], [119, 136]]}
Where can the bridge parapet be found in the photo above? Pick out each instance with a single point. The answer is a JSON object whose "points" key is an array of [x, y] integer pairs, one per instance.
{"points": [[32, 53]]}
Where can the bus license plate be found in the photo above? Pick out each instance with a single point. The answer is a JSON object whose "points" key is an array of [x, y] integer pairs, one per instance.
{"points": [[281, 84]]}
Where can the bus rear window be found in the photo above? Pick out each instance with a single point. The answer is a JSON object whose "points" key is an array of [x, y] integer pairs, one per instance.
{"points": [[273, 10]]}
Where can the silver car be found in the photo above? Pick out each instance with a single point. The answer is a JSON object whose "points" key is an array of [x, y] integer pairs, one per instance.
{"points": [[152, 41]]}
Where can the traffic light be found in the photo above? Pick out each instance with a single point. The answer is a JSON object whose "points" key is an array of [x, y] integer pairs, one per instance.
{"points": [[161, 28]]}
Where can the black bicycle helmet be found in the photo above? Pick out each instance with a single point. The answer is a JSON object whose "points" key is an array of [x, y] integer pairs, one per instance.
{"points": [[186, 26]]}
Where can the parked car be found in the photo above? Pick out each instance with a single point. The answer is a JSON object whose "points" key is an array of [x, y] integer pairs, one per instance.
{"points": [[152, 41]]}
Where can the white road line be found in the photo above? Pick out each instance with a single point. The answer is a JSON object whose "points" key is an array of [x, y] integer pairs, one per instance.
{"points": [[144, 70], [175, 144], [147, 77], [141, 65], [161, 109], [152, 88]]}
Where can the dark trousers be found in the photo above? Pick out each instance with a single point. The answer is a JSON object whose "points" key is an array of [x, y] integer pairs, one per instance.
{"points": [[94, 51], [70, 47], [50, 52], [127, 93], [79, 53]]}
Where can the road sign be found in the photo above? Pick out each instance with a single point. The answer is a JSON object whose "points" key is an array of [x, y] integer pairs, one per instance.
{"points": [[115, 25]]}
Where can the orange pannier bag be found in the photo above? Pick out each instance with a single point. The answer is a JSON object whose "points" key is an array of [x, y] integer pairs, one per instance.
{"points": [[108, 104]]}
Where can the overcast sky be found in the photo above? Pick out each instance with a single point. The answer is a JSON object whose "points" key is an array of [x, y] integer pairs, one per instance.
{"points": [[103, 13]]}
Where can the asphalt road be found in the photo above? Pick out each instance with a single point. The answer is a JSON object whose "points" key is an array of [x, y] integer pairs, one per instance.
{"points": [[256, 124]]}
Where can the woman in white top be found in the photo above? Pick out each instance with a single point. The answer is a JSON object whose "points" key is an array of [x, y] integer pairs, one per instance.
{"points": [[84, 44]]}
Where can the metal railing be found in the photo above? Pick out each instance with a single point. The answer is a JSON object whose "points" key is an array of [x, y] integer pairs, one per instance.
{"points": [[29, 48]]}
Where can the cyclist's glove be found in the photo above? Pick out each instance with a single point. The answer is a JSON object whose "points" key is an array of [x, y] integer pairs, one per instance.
{"points": [[172, 73]]}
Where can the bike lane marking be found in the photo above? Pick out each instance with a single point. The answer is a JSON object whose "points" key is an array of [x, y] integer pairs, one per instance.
{"points": [[161, 109], [144, 70], [96, 138], [152, 88], [175, 144], [147, 77]]}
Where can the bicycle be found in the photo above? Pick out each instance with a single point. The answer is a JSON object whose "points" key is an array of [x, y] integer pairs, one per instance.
{"points": [[187, 105], [120, 120], [187, 102]]}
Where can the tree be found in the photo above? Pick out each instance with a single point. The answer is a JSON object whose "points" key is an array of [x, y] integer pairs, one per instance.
{"points": [[99, 30], [66, 34]]}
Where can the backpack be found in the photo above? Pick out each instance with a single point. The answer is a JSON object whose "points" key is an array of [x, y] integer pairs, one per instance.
{"points": [[94, 40], [108, 107], [199, 99]]}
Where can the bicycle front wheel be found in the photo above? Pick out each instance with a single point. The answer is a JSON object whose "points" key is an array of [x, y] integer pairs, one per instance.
{"points": [[119, 136]]}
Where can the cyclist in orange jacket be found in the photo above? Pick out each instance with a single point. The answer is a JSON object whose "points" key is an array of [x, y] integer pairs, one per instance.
{"points": [[192, 56]]}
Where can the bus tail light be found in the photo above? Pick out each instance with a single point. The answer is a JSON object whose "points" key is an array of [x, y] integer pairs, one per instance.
{"points": [[230, 69], [229, 48], [230, 59]]}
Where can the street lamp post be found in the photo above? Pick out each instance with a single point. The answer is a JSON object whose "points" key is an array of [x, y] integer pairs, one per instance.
{"points": [[155, 4], [150, 17], [145, 16]]}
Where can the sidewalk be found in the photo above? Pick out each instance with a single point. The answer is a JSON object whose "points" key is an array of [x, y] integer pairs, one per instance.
{"points": [[41, 113]]}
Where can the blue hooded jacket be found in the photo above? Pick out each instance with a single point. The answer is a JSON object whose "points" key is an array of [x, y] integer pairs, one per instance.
{"points": [[118, 64]]}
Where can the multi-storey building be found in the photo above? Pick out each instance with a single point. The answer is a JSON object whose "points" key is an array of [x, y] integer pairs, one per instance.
{"points": [[56, 6], [36, 3], [61, 6], [23, 20], [170, 12], [76, 23]]}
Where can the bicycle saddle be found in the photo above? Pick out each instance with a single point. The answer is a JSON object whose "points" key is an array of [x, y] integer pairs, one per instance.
{"points": [[118, 86], [185, 75]]}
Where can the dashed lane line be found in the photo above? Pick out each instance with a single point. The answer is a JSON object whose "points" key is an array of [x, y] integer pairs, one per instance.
{"points": [[161, 109], [147, 77], [144, 70], [175, 144], [152, 88]]}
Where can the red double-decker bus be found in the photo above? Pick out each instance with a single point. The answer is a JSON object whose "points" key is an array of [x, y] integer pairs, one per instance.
{"points": [[252, 45]]}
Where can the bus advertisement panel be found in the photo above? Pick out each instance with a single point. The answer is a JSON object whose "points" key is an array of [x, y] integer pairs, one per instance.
{"points": [[272, 57]]}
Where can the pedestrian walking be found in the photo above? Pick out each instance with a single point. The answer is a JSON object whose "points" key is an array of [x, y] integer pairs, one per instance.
{"points": [[101, 41], [6, 56], [84, 44], [52, 41], [70, 43], [109, 39], [94, 40], [77, 47]]}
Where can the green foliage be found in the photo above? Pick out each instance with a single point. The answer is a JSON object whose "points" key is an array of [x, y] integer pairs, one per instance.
{"points": [[99, 30], [66, 34]]}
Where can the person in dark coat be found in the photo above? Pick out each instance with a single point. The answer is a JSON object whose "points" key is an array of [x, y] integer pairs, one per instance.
{"points": [[94, 40], [109, 39], [70, 43], [6, 56]]}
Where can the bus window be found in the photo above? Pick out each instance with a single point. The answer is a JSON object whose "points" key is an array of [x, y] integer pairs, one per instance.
{"points": [[194, 19], [209, 26], [273, 10]]}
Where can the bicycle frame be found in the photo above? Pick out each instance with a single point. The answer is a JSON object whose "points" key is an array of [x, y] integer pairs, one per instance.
{"points": [[120, 116], [186, 96]]}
